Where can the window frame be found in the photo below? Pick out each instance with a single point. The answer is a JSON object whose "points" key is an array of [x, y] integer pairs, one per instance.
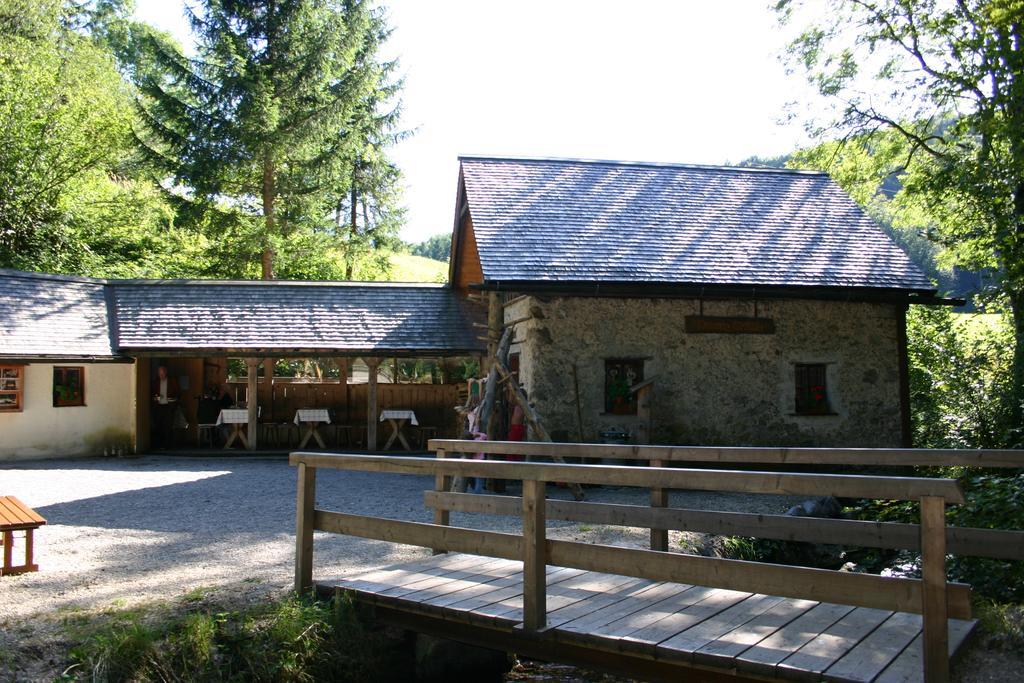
{"points": [[12, 376], [631, 399], [63, 371], [811, 395]]}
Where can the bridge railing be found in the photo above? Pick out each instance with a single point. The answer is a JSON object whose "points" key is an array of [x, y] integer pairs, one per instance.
{"points": [[931, 596]]}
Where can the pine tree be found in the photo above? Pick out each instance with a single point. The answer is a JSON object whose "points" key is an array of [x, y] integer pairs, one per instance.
{"points": [[254, 130]]}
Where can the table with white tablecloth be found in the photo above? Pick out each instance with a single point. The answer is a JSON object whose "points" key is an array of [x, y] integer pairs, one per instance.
{"points": [[236, 417], [312, 418], [398, 419]]}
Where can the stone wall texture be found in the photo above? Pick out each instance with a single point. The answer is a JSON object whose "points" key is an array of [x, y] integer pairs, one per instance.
{"points": [[713, 389]]}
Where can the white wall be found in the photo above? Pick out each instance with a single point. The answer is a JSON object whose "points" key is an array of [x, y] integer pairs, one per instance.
{"points": [[41, 430]]}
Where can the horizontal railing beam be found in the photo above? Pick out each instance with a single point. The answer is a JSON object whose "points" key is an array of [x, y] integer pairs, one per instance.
{"points": [[865, 590], [824, 585], [993, 543], [453, 538], [894, 457], [838, 485]]}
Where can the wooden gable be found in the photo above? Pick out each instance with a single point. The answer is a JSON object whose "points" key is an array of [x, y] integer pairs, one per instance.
{"points": [[467, 270], [464, 266]]}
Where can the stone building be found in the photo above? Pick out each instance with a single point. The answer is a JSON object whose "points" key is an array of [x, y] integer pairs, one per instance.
{"points": [[760, 307]]}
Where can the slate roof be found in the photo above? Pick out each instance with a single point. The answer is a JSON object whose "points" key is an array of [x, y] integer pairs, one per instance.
{"points": [[47, 316], [313, 316], [53, 316], [564, 220]]}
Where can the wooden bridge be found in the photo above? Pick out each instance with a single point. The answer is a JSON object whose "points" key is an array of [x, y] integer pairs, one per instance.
{"points": [[659, 615]]}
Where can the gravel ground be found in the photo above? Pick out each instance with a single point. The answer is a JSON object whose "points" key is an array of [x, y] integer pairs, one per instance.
{"points": [[127, 531]]}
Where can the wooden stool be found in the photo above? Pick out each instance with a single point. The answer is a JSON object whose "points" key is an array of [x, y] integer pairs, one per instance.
{"points": [[16, 516]]}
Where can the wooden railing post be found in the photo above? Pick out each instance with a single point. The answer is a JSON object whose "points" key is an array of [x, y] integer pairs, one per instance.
{"points": [[304, 510], [933, 590], [659, 499], [442, 483], [534, 556]]}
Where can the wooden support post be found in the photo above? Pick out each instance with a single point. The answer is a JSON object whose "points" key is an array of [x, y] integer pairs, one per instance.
{"points": [[534, 556], [659, 499], [371, 404], [933, 590], [304, 511], [8, 557], [268, 381], [343, 379], [441, 485], [252, 400]]}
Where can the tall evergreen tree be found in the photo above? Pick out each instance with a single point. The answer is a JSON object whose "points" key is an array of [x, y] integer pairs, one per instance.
{"points": [[253, 130]]}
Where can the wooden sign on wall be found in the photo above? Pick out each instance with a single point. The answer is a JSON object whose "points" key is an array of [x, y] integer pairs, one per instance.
{"points": [[713, 324]]}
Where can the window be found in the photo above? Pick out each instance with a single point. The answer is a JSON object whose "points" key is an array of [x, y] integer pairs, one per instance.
{"points": [[811, 390], [620, 375], [68, 386], [12, 384]]}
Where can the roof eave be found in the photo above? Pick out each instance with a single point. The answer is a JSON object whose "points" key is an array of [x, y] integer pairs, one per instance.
{"points": [[61, 358], [720, 290], [279, 351]]}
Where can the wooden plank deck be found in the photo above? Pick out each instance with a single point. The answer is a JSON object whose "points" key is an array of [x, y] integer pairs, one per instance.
{"points": [[628, 623]]}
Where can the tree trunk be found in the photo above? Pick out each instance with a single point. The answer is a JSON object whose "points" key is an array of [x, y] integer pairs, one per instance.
{"points": [[353, 227], [268, 217]]}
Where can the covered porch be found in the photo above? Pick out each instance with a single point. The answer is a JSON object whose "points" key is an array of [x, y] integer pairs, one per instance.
{"points": [[350, 402], [229, 346]]}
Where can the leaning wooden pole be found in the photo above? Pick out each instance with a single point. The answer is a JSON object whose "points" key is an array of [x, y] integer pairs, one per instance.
{"points": [[533, 419]]}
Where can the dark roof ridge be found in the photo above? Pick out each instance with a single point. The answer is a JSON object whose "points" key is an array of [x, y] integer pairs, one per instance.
{"points": [[648, 164], [31, 275], [280, 283]]}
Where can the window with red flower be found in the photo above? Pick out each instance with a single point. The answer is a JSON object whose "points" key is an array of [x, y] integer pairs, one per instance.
{"points": [[812, 390]]}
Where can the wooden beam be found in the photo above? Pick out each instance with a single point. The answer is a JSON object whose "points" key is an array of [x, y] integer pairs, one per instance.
{"points": [[304, 509], [823, 585], [495, 315], [372, 416], [934, 606], [534, 557], [838, 485], [343, 380], [452, 538], [994, 543], [441, 485], [893, 457], [268, 381], [659, 499], [252, 401]]}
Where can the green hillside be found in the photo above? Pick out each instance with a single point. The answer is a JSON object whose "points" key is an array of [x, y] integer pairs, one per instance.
{"points": [[409, 268]]}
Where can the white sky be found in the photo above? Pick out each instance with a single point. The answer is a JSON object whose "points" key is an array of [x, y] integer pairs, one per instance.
{"points": [[684, 81]]}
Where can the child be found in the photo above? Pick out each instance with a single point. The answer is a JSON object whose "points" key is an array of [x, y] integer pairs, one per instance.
{"points": [[477, 485]]}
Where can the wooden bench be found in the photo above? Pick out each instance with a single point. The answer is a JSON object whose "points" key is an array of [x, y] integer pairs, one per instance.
{"points": [[16, 516], [568, 595]]}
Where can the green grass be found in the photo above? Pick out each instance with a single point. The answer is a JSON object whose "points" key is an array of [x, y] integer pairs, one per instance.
{"points": [[290, 639], [409, 268]]}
